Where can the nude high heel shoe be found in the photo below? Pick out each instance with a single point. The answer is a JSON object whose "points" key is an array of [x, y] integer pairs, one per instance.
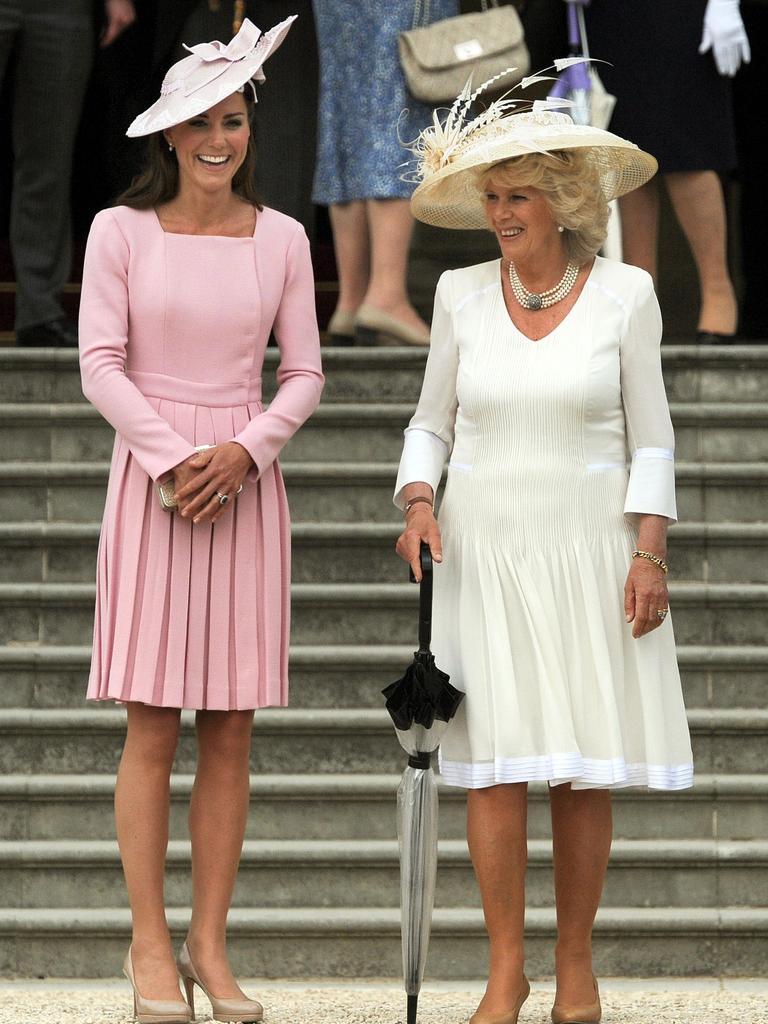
{"points": [[591, 1014], [509, 1016], [242, 1011], [155, 1011]]}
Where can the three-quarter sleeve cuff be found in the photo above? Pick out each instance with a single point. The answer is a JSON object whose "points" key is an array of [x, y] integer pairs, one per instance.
{"points": [[651, 488], [158, 464], [423, 458]]}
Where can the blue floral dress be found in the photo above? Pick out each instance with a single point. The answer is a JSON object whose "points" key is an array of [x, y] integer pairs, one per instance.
{"points": [[366, 112]]}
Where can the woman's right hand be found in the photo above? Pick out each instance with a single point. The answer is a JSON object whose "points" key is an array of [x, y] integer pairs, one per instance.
{"points": [[420, 525]]}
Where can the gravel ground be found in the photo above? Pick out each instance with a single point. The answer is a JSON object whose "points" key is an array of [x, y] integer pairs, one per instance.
{"points": [[370, 1005]]}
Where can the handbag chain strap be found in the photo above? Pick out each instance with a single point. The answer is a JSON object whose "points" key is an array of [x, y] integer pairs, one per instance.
{"points": [[421, 12]]}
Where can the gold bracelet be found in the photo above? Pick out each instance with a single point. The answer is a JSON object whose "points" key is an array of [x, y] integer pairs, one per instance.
{"points": [[409, 505], [652, 558]]}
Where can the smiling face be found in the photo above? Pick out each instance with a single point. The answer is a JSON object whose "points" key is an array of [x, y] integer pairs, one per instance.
{"points": [[523, 223], [212, 146]]}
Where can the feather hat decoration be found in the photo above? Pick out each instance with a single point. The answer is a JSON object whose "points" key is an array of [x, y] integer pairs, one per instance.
{"points": [[455, 150]]}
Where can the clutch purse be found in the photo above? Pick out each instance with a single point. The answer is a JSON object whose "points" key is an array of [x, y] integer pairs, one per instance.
{"points": [[438, 59], [166, 488]]}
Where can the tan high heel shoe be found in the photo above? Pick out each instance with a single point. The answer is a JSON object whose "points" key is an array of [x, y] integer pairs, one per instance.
{"points": [[591, 1014], [509, 1016], [155, 1011], [243, 1011]]}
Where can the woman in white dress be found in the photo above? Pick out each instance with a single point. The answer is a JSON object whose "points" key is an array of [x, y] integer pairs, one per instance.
{"points": [[543, 383]]}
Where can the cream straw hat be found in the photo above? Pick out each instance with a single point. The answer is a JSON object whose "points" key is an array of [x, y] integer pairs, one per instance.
{"points": [[453, 154], [212, 72]]}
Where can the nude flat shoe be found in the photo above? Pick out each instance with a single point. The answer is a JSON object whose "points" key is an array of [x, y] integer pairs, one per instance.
{"points": [[341, 328], [509, 1016], [155, 1011], [375, 327], [242, 1011], [591, 1014]]}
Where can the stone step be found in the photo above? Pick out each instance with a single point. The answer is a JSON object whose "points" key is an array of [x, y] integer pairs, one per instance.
{"points": [[365, 942], [713, 432], [354, 492], [364, 613], [313, 740], [737, 373], [362, 807], [341, 552], [355, 873], [348, 431], [352, 676]]}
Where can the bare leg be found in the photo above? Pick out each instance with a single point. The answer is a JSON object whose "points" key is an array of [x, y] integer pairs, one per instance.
{"points": [[217, 818], [497, 820], [350, 241], [640, 227], [697, 199], [581, 834], [142, 802], [391, 225]]}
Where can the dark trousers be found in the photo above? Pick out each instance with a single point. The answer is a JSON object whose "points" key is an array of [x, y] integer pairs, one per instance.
{"points": [[46, 48]]}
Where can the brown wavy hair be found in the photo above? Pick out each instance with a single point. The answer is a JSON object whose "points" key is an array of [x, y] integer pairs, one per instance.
{"points": [[158, 181]]}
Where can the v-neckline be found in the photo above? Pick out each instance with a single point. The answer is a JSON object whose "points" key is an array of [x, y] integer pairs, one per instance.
{"points": [[544, 337]]}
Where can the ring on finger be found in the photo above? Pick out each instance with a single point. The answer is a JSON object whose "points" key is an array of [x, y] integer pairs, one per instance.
{"points": [[223, 498], [662, 613]]}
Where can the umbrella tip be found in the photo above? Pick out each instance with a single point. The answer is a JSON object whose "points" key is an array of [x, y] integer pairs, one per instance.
{"points": [[413, 1003]]}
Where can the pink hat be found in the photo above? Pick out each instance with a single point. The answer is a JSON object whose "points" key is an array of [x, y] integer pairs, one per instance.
{"points": [[212, 72]]}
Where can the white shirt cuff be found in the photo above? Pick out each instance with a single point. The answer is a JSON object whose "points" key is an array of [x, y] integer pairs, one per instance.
{"points": [[423, 458], [651, 488]]}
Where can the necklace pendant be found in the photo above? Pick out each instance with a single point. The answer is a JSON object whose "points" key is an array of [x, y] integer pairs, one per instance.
{"points": [[533, 301]]}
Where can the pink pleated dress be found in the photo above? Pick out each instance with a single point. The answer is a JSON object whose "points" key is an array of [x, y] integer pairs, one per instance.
{"points": [[173, 331]]}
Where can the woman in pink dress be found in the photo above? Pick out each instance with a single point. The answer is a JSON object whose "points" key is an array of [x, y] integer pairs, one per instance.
{"points": [[183, 284]]}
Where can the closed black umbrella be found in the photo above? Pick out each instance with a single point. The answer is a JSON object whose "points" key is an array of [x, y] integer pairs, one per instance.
{"points": [[421, 704]]}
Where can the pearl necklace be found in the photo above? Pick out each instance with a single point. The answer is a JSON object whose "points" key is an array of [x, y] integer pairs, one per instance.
{"points": [[532, 300]]}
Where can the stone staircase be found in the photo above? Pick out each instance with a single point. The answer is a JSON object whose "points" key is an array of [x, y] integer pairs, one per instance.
{"points": [[318, 890]]}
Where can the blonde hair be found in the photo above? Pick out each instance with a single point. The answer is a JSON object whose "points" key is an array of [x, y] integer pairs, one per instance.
{"points": [[570, 181]]}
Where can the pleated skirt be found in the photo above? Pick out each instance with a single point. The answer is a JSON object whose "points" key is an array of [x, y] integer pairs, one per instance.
{"points": [[192, 616], [529, 621]]}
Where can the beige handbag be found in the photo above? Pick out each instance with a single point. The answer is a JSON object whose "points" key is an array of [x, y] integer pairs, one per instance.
{"points": [[438, 59]]}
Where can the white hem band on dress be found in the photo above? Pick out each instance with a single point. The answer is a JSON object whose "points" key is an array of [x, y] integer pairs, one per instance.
{"points": [[581, 772]]}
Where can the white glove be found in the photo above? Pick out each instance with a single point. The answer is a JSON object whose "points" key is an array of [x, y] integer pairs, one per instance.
{"points": [[725, 35]]}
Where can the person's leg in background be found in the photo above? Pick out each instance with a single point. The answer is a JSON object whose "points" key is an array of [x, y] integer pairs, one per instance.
{"points": [[387, 309], [351, 243], [697, 199], [55, 51], [640, 227]]}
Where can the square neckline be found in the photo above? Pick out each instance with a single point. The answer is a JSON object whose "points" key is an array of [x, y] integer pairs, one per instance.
{"points": [[544, 337], [186, 234]]}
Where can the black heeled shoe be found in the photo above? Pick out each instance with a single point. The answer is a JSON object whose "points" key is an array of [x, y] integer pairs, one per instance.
{"points": [[715, 338]]}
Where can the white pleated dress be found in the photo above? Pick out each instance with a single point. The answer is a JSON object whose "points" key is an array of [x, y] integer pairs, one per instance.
{"points": [[553, 447]]}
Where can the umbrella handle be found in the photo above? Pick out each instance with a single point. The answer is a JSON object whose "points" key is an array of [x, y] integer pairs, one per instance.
{"points": [[425, 597]]}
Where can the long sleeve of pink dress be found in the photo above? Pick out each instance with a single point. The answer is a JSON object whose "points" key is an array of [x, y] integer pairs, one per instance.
{"points": [[173, 331]]}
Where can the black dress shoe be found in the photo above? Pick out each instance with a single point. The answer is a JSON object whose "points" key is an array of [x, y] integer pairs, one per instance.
{"points": [[61, 333], [713, 338]]}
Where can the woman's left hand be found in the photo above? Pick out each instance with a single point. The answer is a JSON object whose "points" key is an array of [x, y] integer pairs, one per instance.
{"points": [[645, 594], [222, 470]]}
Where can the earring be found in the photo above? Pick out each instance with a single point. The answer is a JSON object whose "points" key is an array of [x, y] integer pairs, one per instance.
{"points": [[559, 226], [170, 147]]}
